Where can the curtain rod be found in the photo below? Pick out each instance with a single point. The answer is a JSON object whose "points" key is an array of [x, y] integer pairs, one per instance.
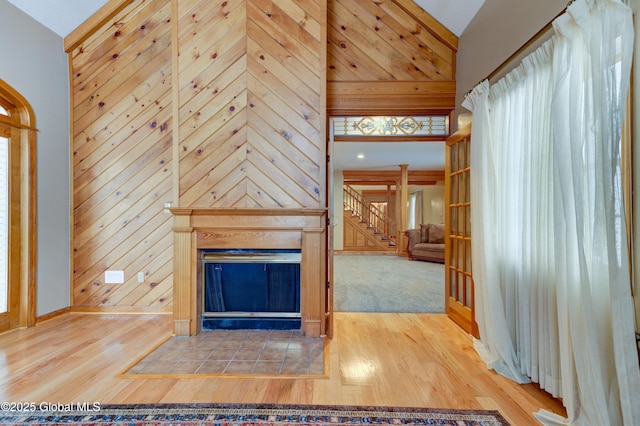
{"points": [[522, 48]]}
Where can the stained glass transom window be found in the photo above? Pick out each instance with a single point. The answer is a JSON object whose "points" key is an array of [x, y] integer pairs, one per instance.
{"points": [[428, 125]]}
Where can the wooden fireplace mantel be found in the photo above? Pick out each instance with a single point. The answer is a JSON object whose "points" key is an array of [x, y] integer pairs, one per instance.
{"points": [[205, 228]]}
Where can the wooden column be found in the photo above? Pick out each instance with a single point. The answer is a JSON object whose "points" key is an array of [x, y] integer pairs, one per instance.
{"points": [[397, 218], [183, 277], [389, 213], [312, 294], [402, 198]]}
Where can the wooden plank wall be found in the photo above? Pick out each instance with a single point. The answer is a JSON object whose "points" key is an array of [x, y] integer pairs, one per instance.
{"points": [[252, 120], [388, 57], [382, 41], [122, 159], [215, 103], [250, 82]]}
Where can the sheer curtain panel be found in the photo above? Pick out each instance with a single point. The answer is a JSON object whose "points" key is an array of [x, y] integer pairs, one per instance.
{"points": [[551, 267], [512, 184]]}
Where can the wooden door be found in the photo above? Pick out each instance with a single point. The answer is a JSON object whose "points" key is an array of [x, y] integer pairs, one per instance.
{"points": [[459, 291]]}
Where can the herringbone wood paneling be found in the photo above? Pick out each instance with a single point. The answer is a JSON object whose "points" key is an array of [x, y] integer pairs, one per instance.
{"points": [[244, 125], [380, 41], [122, 156], [251, 117]]}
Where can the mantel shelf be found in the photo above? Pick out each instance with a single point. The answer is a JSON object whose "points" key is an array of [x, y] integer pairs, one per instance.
{"points": [[194, 211]]}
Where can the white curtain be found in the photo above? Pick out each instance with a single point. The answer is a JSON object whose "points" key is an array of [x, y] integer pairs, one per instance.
{"points": [[415, 210], [511, 197], [553, 301]]}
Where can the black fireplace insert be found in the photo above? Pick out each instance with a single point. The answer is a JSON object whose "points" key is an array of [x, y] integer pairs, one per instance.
{"points": [[251, 289]]}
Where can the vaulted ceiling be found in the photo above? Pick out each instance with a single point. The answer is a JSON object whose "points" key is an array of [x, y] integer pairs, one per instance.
{"points": [[63, 16]]}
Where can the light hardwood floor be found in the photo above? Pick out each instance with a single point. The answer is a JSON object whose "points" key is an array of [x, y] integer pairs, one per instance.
{"points": [[410, 360]]}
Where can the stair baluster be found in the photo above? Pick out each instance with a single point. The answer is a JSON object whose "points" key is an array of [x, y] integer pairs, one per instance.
{"points": [[368, 213]]}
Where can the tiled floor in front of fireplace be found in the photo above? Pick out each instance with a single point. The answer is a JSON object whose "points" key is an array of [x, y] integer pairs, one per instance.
{"points": [[235, 352]]}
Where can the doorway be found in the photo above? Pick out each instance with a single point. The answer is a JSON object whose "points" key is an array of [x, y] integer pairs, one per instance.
{"points": [[369, 164], [17, 210]]}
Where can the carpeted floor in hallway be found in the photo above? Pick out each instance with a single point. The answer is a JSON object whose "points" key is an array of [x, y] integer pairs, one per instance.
{"points": [[385, 283]]}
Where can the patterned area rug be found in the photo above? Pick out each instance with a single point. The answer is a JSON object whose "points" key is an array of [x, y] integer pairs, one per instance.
{"points": [[247, 414]]}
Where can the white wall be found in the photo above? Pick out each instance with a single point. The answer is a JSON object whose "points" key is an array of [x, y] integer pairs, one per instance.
{"points": [[499, 29], [34, 63]]}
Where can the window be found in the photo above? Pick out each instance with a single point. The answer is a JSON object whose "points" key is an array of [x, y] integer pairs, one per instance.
{"points": [[415, 210], [385, 127]]}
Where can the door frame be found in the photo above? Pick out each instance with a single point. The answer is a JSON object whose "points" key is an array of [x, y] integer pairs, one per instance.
{"points": [[331, 223], [22, 209]]}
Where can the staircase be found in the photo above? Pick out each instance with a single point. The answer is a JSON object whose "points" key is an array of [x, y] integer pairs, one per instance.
{"points": [[366, 228]]}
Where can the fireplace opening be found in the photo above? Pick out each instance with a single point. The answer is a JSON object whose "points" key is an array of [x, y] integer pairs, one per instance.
{"points": [[251, 289]]}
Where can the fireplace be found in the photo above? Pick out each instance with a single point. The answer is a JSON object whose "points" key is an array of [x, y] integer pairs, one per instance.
{"points": [[207, 230], [250, 289]]}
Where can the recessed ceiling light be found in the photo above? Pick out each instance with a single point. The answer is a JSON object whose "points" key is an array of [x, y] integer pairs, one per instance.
{"points": [[361, 156]]}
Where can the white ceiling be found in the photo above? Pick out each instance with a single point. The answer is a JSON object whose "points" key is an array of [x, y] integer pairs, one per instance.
{"points": [[453, 14], [60, 16], [388, 155], [63, 16]]}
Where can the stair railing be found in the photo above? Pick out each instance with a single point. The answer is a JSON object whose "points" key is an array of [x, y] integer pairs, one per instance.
{"points": [[367, 213]]}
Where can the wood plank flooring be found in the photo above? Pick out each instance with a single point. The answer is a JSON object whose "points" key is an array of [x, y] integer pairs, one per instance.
{"points": [[410, 360]]}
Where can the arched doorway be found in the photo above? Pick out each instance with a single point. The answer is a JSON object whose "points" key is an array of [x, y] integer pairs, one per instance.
{"points": [[17, 210]]}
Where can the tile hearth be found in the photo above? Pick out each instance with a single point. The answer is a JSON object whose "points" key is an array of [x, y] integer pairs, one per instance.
{"points": [[235, 352]]}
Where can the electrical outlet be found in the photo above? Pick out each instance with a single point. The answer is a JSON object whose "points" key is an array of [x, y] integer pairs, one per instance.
{"points": [[114, 277], [140, 277]]}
